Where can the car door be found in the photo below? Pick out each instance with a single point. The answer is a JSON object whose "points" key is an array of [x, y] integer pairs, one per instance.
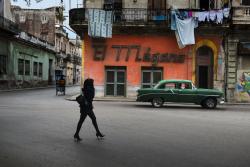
{"points": [[169, 92], [186, 93]]}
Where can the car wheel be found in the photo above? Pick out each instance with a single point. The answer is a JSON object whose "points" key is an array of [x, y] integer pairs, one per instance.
{"points": [[210, 103], [157, 102]]}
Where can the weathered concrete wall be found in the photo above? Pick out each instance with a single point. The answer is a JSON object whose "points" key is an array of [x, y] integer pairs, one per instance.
{"points": [[236, 3], [94, 3], [19, 50], [39, 23], [5, 9]]}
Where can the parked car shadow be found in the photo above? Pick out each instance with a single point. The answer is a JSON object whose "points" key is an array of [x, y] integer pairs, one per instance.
{"points": [[178, 106]]}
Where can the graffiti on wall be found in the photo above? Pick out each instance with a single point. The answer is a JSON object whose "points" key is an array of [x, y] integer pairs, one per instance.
{"points": [[243, 86]]}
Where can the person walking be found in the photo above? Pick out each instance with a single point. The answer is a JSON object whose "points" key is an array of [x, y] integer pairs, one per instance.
{"points": [[86, 109]]}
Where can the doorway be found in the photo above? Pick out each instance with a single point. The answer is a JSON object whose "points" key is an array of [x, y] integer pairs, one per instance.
{"points": [[50, 74], [156, 9], [115, 84], [204, 67]]}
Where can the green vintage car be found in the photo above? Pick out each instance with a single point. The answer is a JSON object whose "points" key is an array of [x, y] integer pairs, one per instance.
{"points": [[182, 91]]}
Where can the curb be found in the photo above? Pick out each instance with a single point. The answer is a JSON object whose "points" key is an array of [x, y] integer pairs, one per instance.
{"points": [[34, 88], [73, 98]]}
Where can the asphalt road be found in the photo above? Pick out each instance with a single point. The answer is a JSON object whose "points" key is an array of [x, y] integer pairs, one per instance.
{"points": [[37, 127]]}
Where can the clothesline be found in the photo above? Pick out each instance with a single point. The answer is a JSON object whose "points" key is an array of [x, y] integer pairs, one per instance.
{"points": [[184, 23]]}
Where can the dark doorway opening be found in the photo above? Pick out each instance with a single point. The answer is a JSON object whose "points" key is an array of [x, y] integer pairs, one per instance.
{"points": [[50, 74], [204, 4], [204, 67], [203, 76]]}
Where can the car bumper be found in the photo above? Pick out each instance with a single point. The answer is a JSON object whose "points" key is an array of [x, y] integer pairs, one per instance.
{"points": [[220, 100]]}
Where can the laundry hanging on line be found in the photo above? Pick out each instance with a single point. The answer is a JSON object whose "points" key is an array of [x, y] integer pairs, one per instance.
{"points": [[100, 23]]}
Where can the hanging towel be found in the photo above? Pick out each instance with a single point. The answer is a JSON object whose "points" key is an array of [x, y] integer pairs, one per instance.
{"points": [[212, 15], [196, 14], [99, 23], [180, 44], [173, 21], [226, 12], [190, 14], [203, 16], [219, 17], [185, 30]]}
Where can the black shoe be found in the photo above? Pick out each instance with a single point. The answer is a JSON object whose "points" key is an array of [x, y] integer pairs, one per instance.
{"points": [[77, 138], [99, 135]]}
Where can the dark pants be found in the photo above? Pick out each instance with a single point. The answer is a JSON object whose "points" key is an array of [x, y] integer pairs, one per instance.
{"points": [[83, 116]]}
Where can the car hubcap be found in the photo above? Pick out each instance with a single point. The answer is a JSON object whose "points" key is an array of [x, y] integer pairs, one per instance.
{"points": [[210, 103], [157, 102]]}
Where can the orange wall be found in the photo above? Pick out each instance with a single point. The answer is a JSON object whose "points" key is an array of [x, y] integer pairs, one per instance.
{"points": [[161, 44]]}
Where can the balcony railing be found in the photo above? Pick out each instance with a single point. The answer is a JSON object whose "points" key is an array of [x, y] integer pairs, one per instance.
{"points": [[61, 32], [8, 25], [79, 16], [241, 15]]}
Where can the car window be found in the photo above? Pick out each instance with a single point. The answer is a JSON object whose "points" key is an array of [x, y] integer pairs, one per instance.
{"points": [[185, 86], [170, 85]]}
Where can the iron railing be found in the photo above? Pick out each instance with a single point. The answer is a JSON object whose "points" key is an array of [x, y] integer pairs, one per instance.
{"points": [[125, 15]]}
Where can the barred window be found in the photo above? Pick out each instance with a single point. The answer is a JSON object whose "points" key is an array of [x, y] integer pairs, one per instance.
{"points": [[27, 67], [40, 69], [20, 66], [3, 64]]}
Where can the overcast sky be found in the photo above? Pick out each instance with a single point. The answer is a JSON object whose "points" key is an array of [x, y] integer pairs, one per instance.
{"points": [[50, 3]]}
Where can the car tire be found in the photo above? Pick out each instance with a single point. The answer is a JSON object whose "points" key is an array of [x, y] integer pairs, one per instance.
{"points": [[209, 103], [157, 102]]}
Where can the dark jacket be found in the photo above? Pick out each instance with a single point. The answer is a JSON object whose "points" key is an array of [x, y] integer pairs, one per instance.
{"points": [[88, 91]]}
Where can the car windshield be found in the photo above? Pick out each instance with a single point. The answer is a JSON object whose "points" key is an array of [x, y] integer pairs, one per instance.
{"points": [[157, 85]]}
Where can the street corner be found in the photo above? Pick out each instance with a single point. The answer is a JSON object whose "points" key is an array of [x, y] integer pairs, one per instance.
{"points": [[71, 97]]}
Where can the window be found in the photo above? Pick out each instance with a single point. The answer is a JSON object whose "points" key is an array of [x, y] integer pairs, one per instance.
{"points": [[44, 19], [22, 18], [35, 69], [20, 66], [170, 86], [3, 64], [185, 86], [115, 84], [27, 67], [151, 76], [40, 69], [245, 2]]}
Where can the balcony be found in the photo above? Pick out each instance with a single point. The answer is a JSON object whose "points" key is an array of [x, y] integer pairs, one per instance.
{"points": [[122, 19], [61, 32], [9, 26], [139, 20], [241, 15]]}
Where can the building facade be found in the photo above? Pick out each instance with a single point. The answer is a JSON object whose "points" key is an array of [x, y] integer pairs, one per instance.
{"points": [[47, 24], [237, 44], [25, 61], [143, 48]]}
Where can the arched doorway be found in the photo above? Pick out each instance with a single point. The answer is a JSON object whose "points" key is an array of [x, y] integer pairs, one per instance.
{"points": [[204, 67]]}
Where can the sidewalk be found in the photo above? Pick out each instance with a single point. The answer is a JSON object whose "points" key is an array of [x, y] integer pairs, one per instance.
{"points": [[34, 88], [118, 99], [131, 99]]}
